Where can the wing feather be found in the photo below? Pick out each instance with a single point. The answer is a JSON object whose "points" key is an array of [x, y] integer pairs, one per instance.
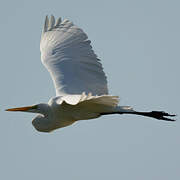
{"points": [[67, 54], [105, 100]]}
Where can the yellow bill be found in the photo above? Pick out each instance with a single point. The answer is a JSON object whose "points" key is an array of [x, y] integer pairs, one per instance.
{"points": [[27, 108]]}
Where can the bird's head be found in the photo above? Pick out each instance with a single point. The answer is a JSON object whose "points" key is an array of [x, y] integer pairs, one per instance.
{"points": [[42, 121]]}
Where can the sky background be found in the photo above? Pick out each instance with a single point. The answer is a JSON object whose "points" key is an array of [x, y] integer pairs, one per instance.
{"points": [[138, 43]]}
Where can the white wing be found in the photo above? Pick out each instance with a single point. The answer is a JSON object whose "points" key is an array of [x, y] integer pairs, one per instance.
{"points": [[67, 54], [106, 100]]}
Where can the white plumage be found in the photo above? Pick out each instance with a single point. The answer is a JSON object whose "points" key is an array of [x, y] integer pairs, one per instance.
{"points": [[67, 54], [79, 80]]}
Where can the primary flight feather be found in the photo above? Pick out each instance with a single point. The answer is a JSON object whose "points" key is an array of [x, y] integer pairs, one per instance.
{"points": [[79, 80]]}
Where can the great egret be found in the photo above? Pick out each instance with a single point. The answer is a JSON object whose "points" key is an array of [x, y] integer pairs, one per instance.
{"points": [[79, 80]]}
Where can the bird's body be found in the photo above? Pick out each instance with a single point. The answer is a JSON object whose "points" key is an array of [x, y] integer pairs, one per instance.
{"points": [[79, 80], [61, 113]]}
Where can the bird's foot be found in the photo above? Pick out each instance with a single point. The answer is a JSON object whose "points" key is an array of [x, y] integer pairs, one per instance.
{"points": [[161, 115]]}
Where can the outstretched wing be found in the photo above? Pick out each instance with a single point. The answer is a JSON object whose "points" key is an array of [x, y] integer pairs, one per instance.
{"points": [[67, 54]]}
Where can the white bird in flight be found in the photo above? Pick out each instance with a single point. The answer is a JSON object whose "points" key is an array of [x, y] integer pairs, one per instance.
{"points": [[79, 80]]}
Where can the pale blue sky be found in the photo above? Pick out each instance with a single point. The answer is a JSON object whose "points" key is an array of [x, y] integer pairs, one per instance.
{"points": [[138, 42]]}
